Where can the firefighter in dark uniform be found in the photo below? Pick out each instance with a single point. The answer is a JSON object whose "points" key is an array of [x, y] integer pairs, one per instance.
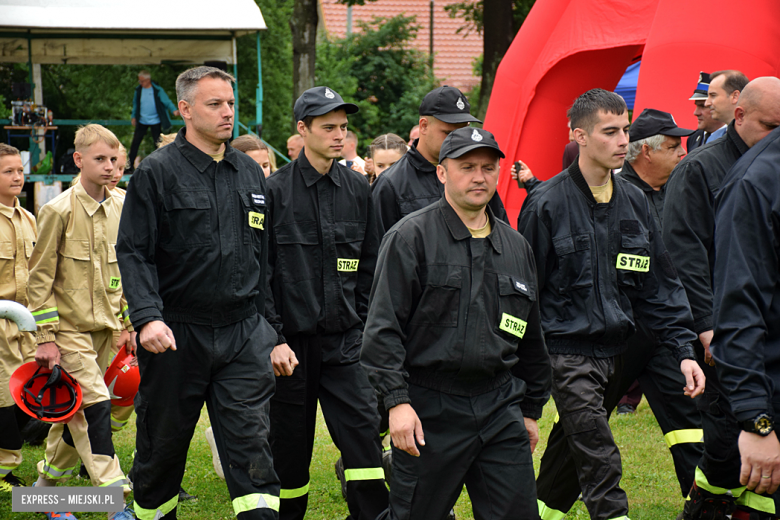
{"points": [[323, 248], [454, 346], [602, 266], [192, 248], [411, 183], [689, 224], [654, 149], [746, 344]]}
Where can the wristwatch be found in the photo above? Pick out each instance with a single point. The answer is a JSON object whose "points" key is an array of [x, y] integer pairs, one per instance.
{"points": [[761, 424]]}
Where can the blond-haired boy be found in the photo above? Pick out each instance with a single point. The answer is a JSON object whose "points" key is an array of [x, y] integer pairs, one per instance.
{"points": [[17, 236], [75, 294]]}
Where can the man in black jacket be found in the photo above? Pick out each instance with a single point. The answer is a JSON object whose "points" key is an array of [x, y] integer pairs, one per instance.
{"points": [[689, 224], [192, 250], [601, 266], [746, 344], [323, 248], [706, 125], [454, 308], [411, 183]]}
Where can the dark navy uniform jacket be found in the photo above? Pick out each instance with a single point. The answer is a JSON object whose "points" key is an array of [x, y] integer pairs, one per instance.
{"points": [[453, 313], [746, 345], [600, 267]]}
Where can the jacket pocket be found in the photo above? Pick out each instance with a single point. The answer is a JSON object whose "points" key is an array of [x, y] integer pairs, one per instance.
{"points": [[74, 269], [253, 202], [298, 255], [186, 222], [574, 261], [515, 299], [349, 243], [7, 263], [633, 260], [440, 300], [113, 280]]}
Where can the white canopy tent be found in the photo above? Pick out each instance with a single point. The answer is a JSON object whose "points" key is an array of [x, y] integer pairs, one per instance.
{"points": [[100, 32]]}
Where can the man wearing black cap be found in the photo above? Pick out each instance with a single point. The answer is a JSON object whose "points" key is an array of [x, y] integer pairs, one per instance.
{"points": [[689, 227], [703, 114], [601, 265], [411, 183], [453, 308], [323, 244]]}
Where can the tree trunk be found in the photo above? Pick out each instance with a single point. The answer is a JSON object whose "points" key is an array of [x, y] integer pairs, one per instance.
{"points": [[304, 42], [497, 35]]}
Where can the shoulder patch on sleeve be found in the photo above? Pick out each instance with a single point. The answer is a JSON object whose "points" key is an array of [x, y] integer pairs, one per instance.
{"points": [[667, 265]]}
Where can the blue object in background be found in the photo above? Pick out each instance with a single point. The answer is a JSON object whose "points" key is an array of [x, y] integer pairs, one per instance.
{"points": [[626, 87]]}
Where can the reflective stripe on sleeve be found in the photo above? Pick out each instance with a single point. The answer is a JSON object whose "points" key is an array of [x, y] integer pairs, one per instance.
{"points": [[158, 513], [255, 501], [683, 436], [46, 315], [547, 513], [5, 470], [294, 493], [364, 474]]}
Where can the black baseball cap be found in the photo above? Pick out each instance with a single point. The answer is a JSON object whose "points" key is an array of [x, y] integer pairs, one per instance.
{"points": [[653, 122], [702, 87], [463, 140], [447, 104], [319, 101]]}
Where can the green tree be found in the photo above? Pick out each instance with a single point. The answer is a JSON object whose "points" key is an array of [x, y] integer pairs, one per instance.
{"points": [[376, 68]]}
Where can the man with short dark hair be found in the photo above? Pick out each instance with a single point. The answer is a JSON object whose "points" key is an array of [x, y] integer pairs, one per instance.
{"points": [[601, 267], [454, 347], [411, 183], [193, 251], [323, 248], [689, 225], [150, 112], [722, 95], [706, 125]]}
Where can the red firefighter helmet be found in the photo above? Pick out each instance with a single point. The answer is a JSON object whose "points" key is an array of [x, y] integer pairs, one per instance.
{"points": [[49, 395], [122, 379]]}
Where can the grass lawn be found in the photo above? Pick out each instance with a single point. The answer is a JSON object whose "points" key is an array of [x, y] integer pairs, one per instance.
{"points": [[648, 474]]}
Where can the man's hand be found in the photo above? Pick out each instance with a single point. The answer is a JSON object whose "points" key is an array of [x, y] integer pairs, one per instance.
{"points": [[156, 337], [524, 174], [533, 431], [175, 113], [694, 377], [369, 165], [706, 338], [132, 121], [123, 340], [405, 426], [48, 355], [284, 360], [760, 462], [132, 344]]}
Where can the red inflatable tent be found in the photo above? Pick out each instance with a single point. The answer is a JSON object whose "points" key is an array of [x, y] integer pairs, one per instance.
{"points": [[566, 47]]}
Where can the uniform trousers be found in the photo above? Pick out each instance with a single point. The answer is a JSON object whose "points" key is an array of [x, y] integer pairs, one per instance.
{"points": [[659, 375], [328, 371], [230, 369], [480, 441], [84, 355], [16, 348], [719, 467]]}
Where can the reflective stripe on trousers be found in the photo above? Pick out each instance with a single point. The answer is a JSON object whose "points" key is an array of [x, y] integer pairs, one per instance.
{"points": [[255, 501]]}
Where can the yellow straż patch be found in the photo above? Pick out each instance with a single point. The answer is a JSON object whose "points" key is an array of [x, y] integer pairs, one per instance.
{"points": [[637, 263], [347, 265], [512, 325], [256, 220]]}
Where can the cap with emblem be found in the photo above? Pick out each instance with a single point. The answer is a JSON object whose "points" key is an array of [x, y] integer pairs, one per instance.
{"points": [[447, 104], [463, 140], [654, 122], [319, 101], [702, 87]]}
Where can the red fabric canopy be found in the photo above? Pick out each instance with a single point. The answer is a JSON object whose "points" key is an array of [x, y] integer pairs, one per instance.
{"points": [[566, 47], [691, 36]]}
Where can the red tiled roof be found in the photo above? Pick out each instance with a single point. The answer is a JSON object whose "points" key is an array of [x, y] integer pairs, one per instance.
{"points": [[453, 53]]}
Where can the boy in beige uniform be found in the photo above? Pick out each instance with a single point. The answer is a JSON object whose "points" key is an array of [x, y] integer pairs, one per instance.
{"points": [[17, 236], [75, 294]]}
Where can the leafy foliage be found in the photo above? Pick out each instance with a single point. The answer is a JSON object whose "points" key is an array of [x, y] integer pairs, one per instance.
{"points": [[375, 68], [473, 11]]}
